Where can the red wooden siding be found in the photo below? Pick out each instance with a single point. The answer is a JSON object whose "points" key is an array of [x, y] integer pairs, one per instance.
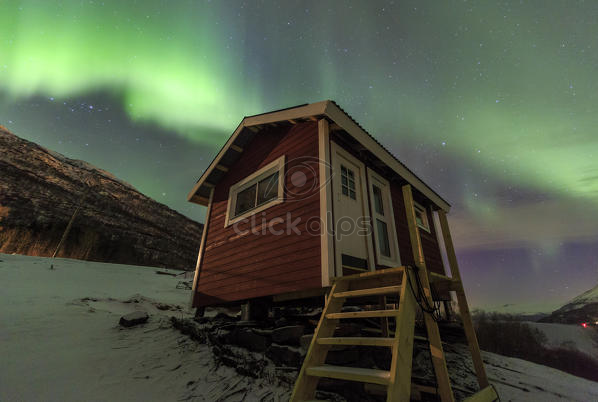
{"points": [[243, 266]]}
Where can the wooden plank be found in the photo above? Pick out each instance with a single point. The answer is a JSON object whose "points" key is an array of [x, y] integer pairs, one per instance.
{"points": [[357, 341], [202, 245], [468, 327], [236, 148], [438, 360], [313, 109], [384, 324], [305, 386], [369, 274], [372, 376], [387, 290], [487, 394], [363, 314]]}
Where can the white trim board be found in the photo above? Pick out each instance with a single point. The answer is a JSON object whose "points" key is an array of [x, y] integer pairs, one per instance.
{"points": [[326, 222]]}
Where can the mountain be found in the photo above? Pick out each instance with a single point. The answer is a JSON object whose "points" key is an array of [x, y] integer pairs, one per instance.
{"points": [[41, 189], [583, 308]]}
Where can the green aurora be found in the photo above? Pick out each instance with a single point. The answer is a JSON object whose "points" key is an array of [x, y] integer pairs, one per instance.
{"points": [[493, 104]]}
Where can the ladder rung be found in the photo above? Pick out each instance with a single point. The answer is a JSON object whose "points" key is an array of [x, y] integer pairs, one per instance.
{"points": [[357, 341], [363, 314], [386, 290], [351, 374], [436, 278]]}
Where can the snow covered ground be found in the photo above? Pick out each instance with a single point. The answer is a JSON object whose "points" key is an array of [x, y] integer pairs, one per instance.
{"points": [[60, 341], [569, 336]]}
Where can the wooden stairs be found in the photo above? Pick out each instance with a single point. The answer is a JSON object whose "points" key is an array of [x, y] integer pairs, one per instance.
{"points": [[399, 283]]}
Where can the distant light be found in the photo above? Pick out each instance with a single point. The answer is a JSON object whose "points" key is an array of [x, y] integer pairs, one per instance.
{"points": [[584, 324]]}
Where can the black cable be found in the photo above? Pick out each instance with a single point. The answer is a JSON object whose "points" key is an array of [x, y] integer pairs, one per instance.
{"points": [[496, 392]]}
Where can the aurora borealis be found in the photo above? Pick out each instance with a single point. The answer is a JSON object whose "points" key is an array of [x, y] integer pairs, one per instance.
{"points": [[492, 104]]}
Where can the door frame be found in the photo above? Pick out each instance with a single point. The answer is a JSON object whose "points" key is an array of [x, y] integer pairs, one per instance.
{"points": [[337, 149]]}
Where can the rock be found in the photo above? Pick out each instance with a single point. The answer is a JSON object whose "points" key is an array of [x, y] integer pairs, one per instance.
{"points": [[344, 357], [305, 341], [40, 190], [134, 318], [285, 355], [348, 329], [289, 335], [248, 339], [189, 327]]}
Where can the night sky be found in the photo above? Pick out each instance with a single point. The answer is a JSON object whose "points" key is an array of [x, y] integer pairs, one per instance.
{"points": [[493, 104]]}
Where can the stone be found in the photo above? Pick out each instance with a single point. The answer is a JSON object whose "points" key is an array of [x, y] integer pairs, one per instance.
{"points": [[305, 341], [134, 318], [285, 355], [248, 339], [289, 335]]}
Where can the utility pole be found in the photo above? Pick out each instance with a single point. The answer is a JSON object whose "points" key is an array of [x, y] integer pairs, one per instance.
{"points": [[87, 181]]}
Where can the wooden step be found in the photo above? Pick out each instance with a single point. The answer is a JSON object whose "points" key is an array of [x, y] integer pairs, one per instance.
{"points": [[363, 314], [357, 341], [386, 290], [350, 373], [370, 274]]}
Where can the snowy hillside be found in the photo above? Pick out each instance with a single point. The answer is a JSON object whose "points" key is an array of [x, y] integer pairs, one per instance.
{"points": [[60, 341], [583, 308], [569, 336], [590, 296]]}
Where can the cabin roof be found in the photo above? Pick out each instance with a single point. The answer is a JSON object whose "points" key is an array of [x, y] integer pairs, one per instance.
{"points": [[251, 125]]}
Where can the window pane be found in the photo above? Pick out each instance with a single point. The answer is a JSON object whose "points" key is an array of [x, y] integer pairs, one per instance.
{"points": [[383, 243], [378, 203], [348, 182], [245, 200], [267, 189], [419, 218]]}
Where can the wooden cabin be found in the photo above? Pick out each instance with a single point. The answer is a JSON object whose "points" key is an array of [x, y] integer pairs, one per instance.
{"points": [[299, 196]]}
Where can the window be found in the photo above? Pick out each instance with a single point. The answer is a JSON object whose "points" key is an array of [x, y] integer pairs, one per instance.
{"points": [[256, 192], [348, 182], [385, 234], [421, 217]]}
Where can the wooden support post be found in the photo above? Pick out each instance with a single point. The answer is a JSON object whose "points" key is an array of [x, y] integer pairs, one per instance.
{"points": [[399, 388], [384, 320], [202, 244], [444, 384], [472, 340]]}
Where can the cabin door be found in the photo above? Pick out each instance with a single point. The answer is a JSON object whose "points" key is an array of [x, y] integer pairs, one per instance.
{"points": [[352, 237]]}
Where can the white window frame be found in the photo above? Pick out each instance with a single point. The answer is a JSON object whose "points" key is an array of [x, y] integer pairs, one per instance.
{"points": [[252, 179], [395, 258], [426, 223]]}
